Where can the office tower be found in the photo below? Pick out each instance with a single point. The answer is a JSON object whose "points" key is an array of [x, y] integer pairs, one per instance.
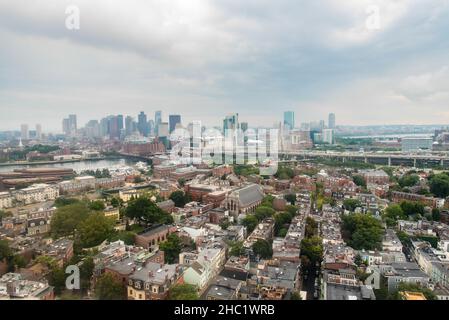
{"points": [[327, 136], [151, 130], [157, 121], [174, 119], [92, 129], [38, 132], [73, 124], [66, 126], [104, 127], [129, 125], [289, 120], [69, 125], [114, 127], [142, 124], [331, 121], [322, 125], [231, 122], [24, 133], [120, 122]]}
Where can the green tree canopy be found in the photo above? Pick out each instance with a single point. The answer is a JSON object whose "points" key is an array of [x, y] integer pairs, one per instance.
{"points": [[408, 180], [263, 249], [351, 204], [183, 292], [439, 185], [180, 198], [97, 205], [250, 222], [262, 213], [291, 197], [68, 218], [359, 180], [109, 288], [95, 229], [171, 247], [146, 211], [312, 248], [362, 231]]}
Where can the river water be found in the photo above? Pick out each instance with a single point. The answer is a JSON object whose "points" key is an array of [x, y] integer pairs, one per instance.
{"points": [[76, 166]]}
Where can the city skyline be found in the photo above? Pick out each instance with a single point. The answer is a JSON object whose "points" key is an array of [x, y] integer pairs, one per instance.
{"points": [[218, 58]]}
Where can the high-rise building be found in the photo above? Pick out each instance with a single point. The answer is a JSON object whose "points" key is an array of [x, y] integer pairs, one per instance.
{"points": [[120, 122], [38, 132], [174, 119], [157, 121], [104, 127], [92, 129], [331, 121], [69, 125], [244, 126], [129, 125], [151, 130], [24, 132], [231, 122], [73, 123], [289, 119], [114, 126], [327, 136], [142, 124]]}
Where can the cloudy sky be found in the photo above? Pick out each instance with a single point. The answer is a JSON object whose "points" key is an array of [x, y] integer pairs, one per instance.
{"points": [[204, 59]]}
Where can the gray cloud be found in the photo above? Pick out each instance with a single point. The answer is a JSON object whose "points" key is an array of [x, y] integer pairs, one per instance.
{"points": [[204, 59]]}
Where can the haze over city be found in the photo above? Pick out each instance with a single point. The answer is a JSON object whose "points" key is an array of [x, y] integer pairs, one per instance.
{"points": [[211, 58]]}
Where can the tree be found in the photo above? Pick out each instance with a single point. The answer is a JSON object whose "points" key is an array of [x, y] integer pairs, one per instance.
{"points": [[290, 198], [281, 219], [262, 213], [263, 249], [408, 180], [5, 250], [439, 185], [97, 205], [295, 296], [358, 260], [362, 231], [62, 201], [236, 249], [351, 204], [116, 202], [171, 247], [179, 198], [109, 288], [411, 287], [312, 248], [95, 229], [183, 292], [311, 228], [359, 180], [18, 261], [56, 278], [126, 236], [86, 271], [146, 211], [250, 222], [68, 218], [412, 208], [393, 213], [4, 214], [267, 201], [436, 214]]}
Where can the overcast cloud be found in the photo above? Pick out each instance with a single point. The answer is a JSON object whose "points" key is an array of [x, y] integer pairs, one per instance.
{"points": [[204, 59]]}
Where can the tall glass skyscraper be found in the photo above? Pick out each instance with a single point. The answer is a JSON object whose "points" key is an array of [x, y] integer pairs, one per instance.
{"points": [[174, 119], [289, 119], [331, 121]]}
